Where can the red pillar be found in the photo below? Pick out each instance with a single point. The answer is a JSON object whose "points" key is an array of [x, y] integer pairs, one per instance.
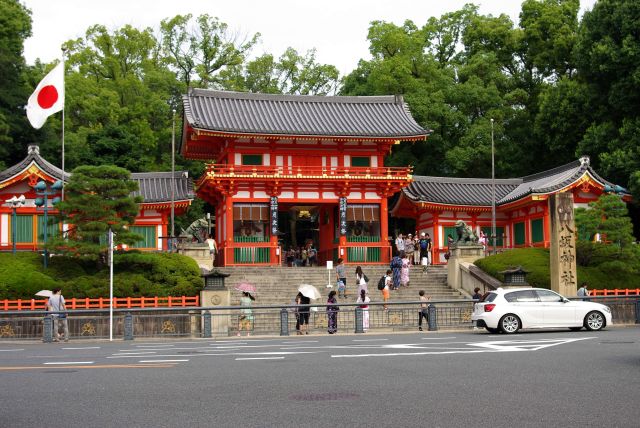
{"points": [[228, 252], [384, 228], [435, 242]]}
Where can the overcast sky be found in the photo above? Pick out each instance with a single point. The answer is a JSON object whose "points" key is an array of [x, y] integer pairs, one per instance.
{"points": [[336, 28]]}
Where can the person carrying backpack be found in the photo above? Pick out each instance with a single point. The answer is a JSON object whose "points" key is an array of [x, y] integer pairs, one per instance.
{"points": [[384, 284]]}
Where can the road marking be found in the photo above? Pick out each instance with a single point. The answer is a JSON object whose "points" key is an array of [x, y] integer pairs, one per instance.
{"points": [[10, 350], [260, 358], [368, 340], [295, 342], [438, 338], [162, 361], [102, 366], [133, 354], [526, 345], [69, 362], [159, 345], [87, 347]]}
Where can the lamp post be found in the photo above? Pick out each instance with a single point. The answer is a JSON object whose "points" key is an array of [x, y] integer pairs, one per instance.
{"points": [[493, 192], [173, 181], [14, 203], [42, 202]]}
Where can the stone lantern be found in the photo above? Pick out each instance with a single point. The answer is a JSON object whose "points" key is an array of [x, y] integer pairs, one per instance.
{"points": [[515, 277]]}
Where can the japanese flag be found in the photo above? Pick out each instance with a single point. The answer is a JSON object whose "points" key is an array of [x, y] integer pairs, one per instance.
{"points": [[48, 98]]}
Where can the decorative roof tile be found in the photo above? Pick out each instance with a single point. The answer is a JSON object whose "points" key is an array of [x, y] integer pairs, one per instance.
{"points": [[301, 115]]}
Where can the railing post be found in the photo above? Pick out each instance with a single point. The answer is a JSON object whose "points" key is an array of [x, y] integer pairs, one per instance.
{"points": [[128, 326], [47, 331], [638, 310], [359, 327], [284, 322], [433, 321], [207, 324]]}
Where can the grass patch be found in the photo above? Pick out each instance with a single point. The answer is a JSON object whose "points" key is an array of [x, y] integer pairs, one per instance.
{"points": [[536, 261], [135, 274]]}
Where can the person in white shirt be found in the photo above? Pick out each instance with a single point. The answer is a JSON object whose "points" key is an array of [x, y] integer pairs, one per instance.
{"points": [[400, 243], [213, 248], [56, 304]]}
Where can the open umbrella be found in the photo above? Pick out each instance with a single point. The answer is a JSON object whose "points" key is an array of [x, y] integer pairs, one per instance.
{"points": [[44, 293], [246, 287], [309, 291]]}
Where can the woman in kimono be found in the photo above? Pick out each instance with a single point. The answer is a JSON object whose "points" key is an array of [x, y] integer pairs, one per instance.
{"points": [[246, 314], [396, 267], [404, 273], [332, 312]]}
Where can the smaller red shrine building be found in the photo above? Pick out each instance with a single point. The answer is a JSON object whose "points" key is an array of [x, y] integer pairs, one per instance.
{"points": [[152, 221], [522, 212]]}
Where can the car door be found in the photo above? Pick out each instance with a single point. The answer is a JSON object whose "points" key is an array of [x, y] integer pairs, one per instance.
{"points": [[556, 310], [526, 305]]}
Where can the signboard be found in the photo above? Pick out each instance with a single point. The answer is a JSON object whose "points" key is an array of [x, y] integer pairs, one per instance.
{"points": [[343, 216], [563, 244], [273, 215]]}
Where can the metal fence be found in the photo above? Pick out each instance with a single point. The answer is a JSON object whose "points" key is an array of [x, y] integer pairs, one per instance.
{"points": [[202, 322]]}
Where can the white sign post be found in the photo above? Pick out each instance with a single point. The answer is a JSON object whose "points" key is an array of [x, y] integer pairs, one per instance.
{"points": [[329, 269]]}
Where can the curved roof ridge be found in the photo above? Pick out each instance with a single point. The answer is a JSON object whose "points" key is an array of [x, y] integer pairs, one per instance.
{"points": [[554, 171], [358, 99]]}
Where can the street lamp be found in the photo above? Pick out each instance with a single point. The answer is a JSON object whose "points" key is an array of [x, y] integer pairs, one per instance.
{"points": [[41, 190], [15, 203], [493, 192]]}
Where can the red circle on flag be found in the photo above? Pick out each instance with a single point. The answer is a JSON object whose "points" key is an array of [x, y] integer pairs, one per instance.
{"points": [[47, 96]]}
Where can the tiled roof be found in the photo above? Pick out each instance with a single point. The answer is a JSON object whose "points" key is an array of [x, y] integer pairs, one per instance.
{"points": [[156, 186], [33, 156], [153, 186], [300, 115], [477, 191]]}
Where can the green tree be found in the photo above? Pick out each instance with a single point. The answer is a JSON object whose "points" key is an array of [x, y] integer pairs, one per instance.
{"points": [[200, 50], [97, 198], [609, 217], [15, 131]]}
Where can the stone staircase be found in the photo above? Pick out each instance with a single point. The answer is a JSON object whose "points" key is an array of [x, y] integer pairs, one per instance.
{"points": [[278, 285]]}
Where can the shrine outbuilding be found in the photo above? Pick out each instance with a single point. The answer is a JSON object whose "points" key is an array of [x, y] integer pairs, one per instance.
{"points": [[152, 222], [522, 213]]}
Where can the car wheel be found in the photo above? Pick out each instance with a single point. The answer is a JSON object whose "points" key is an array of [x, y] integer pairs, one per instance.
{"points": [[594, 321], [492, 330], [509, 324], [575, 328]]}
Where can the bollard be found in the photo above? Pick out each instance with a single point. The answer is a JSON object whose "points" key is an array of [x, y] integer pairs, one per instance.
{"points": [[207, 324], [284, 322], [433, 321], [128, 326], [359, 327], [637, 311], [47, 331]]}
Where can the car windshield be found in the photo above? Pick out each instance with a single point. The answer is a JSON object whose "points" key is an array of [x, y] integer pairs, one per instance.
{"points": [[521, 296]]}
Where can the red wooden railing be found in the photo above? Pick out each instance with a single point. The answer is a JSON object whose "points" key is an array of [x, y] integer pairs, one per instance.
{"points": [[615, 292], [297, 172], [103, 303]]}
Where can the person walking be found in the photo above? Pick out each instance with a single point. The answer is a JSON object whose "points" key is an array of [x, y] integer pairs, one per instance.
{"points": [[303, 314], [364, 300], [332, 313], [404, 273], [583, 291], [56, 304], [396, 267], [408, 247], [416, 249], [424, 309], [297, 301], [387, 286], [362, 280], [213, 248], [341, 276], [246, 314], [399, 243], [476, 294]]}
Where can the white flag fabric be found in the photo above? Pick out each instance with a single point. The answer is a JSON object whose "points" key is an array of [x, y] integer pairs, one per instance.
{"points": [[48, 98]]}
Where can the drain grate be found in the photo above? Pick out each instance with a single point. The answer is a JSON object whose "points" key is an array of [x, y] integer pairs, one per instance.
{"points": [[325, 396]]}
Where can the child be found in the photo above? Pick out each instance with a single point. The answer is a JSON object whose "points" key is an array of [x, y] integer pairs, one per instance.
{"points": [[423, 309], [387, 287]]}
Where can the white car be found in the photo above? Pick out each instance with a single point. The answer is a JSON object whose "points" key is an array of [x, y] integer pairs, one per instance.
{"points": [[509, 310]]}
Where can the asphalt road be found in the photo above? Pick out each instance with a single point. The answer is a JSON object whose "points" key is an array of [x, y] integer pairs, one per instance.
{"points": [[448, 379]]}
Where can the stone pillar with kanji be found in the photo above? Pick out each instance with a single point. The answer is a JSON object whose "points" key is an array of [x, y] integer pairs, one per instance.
{"points": [[563, 244]]}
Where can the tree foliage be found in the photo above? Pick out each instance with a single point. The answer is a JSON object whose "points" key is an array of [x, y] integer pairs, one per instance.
{"points": [[97, 198]]}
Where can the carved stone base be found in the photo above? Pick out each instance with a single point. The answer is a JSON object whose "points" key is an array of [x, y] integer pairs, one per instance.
{"points": [[219, 319], [461, 253]]}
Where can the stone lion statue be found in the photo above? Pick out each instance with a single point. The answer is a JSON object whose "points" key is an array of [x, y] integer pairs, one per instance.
{"points": [[466, 235]]}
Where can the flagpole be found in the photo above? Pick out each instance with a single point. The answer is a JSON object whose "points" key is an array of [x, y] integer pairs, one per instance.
{"points": [[65, 97]]}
